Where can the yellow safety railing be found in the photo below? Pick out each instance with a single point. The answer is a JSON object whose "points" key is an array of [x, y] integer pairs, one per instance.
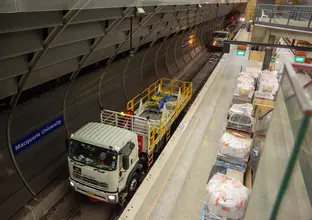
{"points": [[154, 131], [159, 129], [134, 103], [166, 86]]}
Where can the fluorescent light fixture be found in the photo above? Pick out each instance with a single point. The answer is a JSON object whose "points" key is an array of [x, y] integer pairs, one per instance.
{"points": [[141, 10]]}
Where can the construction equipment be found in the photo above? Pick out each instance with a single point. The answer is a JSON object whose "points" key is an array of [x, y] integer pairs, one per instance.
{"points": [[108, 160]]}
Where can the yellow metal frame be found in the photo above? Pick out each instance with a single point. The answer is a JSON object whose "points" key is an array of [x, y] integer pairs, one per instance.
{"points": [[169, 86], [166, 86]]}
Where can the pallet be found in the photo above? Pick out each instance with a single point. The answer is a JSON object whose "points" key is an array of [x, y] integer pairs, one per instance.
{"points": [[248, 177], [230, 165], [205, 214], [241, 100]]}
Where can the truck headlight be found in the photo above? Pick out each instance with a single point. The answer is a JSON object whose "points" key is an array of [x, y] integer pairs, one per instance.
{"points": [[72, 184], [112, 198]]}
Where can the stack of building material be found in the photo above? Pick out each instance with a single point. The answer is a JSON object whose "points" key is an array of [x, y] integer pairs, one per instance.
{"points": [[233, 152], [226, 198], [267, 85], [240, 122], [245, 87]]}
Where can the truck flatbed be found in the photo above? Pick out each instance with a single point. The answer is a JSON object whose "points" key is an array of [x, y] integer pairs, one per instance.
{"points": [[151, 114]]}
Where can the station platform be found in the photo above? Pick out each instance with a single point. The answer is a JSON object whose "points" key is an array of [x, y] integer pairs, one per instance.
{"points": [[279, 143], [175, 186]]}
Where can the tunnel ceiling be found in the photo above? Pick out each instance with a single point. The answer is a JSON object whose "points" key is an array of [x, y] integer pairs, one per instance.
{"points": [[37, 5], [37, 47]]}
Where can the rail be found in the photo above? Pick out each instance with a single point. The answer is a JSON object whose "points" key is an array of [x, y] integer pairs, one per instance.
{"points": [[291, 16]]}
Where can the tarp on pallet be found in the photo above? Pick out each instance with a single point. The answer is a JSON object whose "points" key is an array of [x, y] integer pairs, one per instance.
{"points": [[226, 197], [233, 146]]}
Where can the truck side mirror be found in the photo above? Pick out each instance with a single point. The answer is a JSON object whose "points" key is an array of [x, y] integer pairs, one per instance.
{"points": [[125, 162]]}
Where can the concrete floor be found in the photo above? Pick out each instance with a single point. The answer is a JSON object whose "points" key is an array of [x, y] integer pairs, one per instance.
{"points": [[175, 187]]}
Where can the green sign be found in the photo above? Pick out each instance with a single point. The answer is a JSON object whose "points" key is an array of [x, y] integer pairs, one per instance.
{"points": [[272, 59], [240, 52], [299, 59]]}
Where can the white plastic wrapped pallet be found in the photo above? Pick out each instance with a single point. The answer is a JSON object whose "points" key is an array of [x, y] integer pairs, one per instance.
{"points": [[245, 109], [268, 82], [244, 90], [253, 74], [226, 197], [245, 85], [233, 146]]}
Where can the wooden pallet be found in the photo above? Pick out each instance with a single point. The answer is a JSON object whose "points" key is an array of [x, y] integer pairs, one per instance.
{"points": [[248, 177]]}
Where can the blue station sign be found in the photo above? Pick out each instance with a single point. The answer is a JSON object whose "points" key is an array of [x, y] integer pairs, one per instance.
{"points": [[36, 135]]}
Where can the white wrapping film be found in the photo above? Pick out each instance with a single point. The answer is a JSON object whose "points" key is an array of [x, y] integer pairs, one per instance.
{"points": [[245, 80], [245, 85], [226, 197], [233, 146], [245, 109], [268, 82], [244, 90], [253, 74]]}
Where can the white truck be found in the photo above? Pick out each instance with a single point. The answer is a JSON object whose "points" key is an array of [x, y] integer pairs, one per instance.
{"points": [[219, 37], [108, 160]]}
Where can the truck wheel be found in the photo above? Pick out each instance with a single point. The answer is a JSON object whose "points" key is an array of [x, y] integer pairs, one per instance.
{"points": [[133, 185]]}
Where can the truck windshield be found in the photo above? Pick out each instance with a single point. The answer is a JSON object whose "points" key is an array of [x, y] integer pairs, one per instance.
{"points": [[92, 156], [220, 35]]}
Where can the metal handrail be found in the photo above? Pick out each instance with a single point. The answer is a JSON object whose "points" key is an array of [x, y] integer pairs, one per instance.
{"points": [[302, 98], [269, 13], [168, 85]]}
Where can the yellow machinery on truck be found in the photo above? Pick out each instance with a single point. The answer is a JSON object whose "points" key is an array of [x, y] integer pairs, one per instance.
{"points": [[108, 160]]}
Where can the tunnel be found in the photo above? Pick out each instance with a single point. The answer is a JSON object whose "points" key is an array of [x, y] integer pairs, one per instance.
{"points": [[61, 64]]}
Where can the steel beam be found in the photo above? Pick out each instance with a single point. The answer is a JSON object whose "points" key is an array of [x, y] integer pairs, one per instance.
{"points": [[268, 45]]}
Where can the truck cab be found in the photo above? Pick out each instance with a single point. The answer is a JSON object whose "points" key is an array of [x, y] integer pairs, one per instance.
{"points": [[103, 162], [219, 37]]}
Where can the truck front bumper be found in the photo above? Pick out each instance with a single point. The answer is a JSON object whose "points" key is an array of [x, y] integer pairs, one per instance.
{"points": [[94, 193], [218, 44]]}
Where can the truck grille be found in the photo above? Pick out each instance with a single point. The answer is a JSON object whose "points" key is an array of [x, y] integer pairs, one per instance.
{"points": [[88, 180]]}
